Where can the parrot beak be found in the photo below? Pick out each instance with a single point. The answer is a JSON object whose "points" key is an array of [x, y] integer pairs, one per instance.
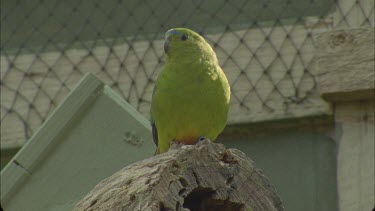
{"points": [[166, 44], [168, 34]]}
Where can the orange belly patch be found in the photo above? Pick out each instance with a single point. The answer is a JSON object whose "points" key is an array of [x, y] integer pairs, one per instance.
{"points": [[187, 140]]}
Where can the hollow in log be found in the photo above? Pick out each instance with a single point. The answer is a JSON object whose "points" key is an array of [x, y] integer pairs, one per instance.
{"points": [[205, 176]]}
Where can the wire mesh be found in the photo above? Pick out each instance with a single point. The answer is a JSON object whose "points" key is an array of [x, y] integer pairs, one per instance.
{"points": [[265, 48]]}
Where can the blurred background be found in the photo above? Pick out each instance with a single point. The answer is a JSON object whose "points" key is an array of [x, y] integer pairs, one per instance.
{"points": [[266, 49]]}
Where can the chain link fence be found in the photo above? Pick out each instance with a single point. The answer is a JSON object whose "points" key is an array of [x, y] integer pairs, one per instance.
{"points": [[265, 47]]}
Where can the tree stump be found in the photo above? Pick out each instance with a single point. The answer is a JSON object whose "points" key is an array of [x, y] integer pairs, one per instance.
{"points": [[205, 176]]}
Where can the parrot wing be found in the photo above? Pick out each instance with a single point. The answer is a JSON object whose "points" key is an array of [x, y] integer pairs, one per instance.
{"points": [[155, 134], [154, 129], [155, 137]]}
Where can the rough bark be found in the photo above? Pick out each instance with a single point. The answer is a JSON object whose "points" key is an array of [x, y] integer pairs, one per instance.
{"points": [[205, 176]]}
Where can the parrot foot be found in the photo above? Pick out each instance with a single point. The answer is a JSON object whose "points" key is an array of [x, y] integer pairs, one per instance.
{"points": [[176, 144], [202, 139]]}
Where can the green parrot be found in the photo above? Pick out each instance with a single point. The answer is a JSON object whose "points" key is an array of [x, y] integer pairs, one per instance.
{"points": [[191, 95]]}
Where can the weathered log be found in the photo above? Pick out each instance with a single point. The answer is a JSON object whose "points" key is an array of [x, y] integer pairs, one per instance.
{"points": [[205, 176]]}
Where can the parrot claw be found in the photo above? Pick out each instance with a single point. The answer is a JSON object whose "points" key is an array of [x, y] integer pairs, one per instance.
{"points": [[202, 139]]}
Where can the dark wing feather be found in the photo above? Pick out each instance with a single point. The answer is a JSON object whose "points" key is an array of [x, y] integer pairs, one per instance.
{"points": [[154, 129], [155, 138], [155, 134]]}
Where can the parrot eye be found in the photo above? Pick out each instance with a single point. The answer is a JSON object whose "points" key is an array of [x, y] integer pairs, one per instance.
{"points": [[184, 37]]}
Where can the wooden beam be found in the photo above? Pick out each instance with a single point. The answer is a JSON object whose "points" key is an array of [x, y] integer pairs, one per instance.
{"points": [[345, 70], [345, 64]]}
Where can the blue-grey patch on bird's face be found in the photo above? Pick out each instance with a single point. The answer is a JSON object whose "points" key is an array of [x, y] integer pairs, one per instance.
{"points": [[172, 32], [168, 38]]}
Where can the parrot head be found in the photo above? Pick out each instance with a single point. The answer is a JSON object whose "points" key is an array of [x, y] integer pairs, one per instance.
{"points": [[185, 44]]}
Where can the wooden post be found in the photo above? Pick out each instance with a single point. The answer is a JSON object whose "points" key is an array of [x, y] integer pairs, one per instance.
{"points": [[345, 69], [205, 176]]}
